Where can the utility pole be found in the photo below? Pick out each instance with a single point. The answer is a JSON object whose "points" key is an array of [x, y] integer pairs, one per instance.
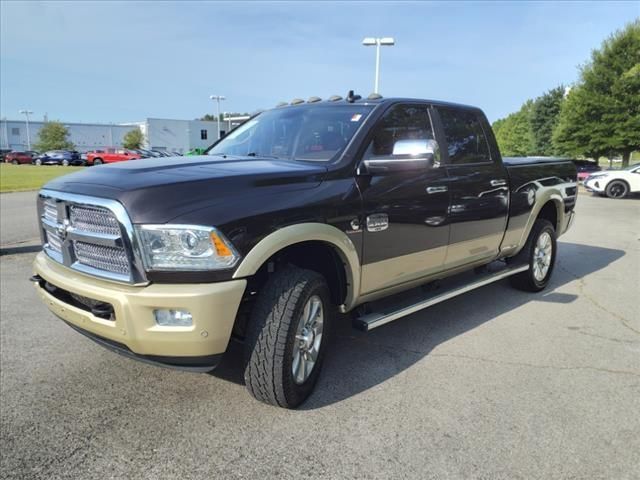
{"points": [[27, 113], [378, 42], [217, 98]]}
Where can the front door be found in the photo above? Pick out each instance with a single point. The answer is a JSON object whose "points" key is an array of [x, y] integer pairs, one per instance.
{"points": [[405, 212], [478, 187]]}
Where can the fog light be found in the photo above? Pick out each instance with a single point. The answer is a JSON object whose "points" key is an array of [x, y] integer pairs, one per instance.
{"points": [[173, 318]]}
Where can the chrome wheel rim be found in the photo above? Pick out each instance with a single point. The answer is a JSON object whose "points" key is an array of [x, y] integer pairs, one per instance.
{"points": [[308, 338], [542, 256]]}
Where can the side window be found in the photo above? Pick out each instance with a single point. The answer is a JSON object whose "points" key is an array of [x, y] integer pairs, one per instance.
{"points": [[466, 140], [403, 130]]}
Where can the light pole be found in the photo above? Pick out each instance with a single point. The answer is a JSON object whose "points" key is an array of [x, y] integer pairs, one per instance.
{"points": [[27, 113], [218, 98], [378, 42]]}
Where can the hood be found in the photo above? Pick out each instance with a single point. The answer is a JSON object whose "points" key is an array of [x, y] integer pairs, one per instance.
{"points": [[157, 190]]}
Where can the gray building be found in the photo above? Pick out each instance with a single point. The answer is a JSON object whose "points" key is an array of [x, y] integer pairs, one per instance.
{"points": [[159, 133]]}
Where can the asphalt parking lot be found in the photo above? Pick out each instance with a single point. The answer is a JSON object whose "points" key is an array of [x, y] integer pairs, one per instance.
{"points": [[494, 384]]}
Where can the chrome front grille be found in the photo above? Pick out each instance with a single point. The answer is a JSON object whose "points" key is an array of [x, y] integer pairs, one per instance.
{"points": [[94, 220], [90, 235], [110, 259]]}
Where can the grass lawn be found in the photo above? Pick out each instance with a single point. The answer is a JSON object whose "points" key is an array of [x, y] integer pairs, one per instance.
{"points": [[18, 178]]}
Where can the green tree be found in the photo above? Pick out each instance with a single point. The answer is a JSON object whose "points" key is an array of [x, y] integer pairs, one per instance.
{"points": [[545, 113], [133, 139], [601, 115], [53, 136], [513, 133]]}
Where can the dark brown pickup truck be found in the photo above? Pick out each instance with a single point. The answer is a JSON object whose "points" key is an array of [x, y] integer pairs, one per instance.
{"points": [[303, 211]]}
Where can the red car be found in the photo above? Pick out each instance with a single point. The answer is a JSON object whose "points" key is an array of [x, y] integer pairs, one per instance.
{"points": [[111, 155], [20, 157]]}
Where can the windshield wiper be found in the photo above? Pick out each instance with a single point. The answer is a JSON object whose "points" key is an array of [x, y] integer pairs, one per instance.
{"points": [[254, 154]]}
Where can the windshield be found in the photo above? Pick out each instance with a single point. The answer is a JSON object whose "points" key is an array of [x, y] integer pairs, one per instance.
{"points": [[316, 133]]}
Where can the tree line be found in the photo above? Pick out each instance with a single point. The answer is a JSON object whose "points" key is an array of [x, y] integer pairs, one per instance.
{"points": [[597, 117]]}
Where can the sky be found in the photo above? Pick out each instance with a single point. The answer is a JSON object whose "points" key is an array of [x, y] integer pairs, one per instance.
{"points": [[122, 62]]}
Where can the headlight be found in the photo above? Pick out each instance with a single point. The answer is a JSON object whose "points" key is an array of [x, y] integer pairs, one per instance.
{"points": [[185, 247]]}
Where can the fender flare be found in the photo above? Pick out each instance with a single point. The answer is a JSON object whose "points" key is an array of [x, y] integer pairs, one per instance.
{"points": [[304, 232]]}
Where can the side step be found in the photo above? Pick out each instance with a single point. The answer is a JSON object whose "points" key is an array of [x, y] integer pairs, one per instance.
{"points": [[458, 286]]}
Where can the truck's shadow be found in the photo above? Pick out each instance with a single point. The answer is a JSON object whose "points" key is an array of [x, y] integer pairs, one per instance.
{"points": [[359, 361]]}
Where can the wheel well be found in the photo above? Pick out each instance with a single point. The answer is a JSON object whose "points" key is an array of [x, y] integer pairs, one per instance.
{"points": [[318, 256], [550, 212], [617, 180]]}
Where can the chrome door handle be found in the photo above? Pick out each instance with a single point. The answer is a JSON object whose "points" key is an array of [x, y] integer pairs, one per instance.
{"points": [[436, 189], [498, 183]]}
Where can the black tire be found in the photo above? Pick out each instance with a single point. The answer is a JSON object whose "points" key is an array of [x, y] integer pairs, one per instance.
{"points": [[617, 189], [271, 335], [527, 280], [65, 163], [14, 162], [38, 162], [98, 161]]}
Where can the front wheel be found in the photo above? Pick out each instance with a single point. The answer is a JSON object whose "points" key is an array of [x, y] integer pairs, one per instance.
{"points": [[14, 162], [97, 161], [65, 163], [617, 189], [38, 162], [287, 337], [540, 254]]}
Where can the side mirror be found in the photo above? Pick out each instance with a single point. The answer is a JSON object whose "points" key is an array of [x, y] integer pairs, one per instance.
{"points": [[408, 155]]}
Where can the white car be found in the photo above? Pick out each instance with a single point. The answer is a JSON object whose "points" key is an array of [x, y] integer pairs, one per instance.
{"points": [[615, 183]]}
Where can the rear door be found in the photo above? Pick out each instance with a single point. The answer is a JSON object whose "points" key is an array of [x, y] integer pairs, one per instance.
{"points": [[478, 185], [404, 222], [109, 155]]}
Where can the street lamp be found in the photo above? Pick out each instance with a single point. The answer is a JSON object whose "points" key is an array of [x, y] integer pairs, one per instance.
{"points": [[377, 42], [218, 98], [27, 113]]}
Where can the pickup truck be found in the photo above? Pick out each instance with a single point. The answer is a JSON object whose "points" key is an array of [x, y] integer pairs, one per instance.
{"points": [[111, 155], [304, 216]]}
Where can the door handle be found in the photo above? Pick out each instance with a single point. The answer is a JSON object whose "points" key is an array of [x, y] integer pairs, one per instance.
{"points": [[437, 189], [498, 183]]}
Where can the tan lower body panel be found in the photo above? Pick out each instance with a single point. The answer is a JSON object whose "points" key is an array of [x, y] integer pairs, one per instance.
{"points": [[472, 250], [213, 307], [400, 270]]}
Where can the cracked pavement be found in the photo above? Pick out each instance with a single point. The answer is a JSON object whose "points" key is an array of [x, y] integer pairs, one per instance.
{"points": [[496, 383]]}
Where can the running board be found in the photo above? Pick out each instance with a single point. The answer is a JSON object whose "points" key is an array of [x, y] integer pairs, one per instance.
{"points": [[373, 320]]}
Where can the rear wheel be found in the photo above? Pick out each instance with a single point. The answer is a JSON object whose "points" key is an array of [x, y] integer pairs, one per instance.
{"points": [[540, 254], [98, 161], [617, 189], [287, 337], [38, 161]]}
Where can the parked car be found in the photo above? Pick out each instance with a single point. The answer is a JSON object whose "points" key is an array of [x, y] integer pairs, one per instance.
{"points": [[615, 183], [111, 155], [58, 157], [3, 153], [20, 158], [196, 151], [304, 211], [586, 168]]}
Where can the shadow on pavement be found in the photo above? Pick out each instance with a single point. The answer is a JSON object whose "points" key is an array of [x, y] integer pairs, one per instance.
{"points": [[359, 361], [20, 249]]}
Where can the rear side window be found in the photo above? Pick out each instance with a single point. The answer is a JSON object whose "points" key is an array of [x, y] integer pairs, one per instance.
{"points": [[402, 131], [466, 141]]}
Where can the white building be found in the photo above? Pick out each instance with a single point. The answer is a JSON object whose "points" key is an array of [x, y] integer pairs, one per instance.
{"points": [[159, 133]]}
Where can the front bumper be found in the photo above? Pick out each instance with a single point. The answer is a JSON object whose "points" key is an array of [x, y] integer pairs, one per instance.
{"points": [[595, 185], [132, 329]]}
